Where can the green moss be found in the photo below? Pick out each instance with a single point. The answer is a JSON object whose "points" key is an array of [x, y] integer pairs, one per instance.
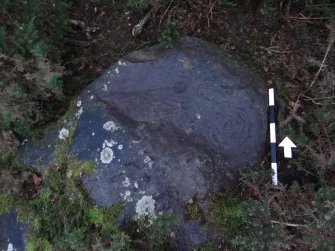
{"points": [[156, 231], [169, 34], [227, 214], [63, 216], [6, 203], [37, 244], [193, 211]]}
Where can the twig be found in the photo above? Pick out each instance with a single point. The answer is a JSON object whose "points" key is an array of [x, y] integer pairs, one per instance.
{"points": [[319, 71], [102, 55], [271, 49], [166, 10], [322, 63], [309, 18], [306, 98], [287, 224], [210, 12]]}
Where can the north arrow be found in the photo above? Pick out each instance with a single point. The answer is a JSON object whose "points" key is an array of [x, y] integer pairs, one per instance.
{"points": [[288, 145]]}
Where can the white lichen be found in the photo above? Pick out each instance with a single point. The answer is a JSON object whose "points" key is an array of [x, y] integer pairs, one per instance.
{"points": [[147, 160], [10, 247], [121, 63], [110, 126], [198, 116], [24, 141], [117, 70], [105, 88], [136, 185], [80, 111], [79, 103], [126, 182], [120, 147], [145, 207], [93, 133], [63, 134], [106, 155], [126, 196], [111, 143], [91, 97]]}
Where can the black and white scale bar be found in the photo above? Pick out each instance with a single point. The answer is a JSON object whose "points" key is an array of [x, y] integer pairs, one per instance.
{"points": [[273, 141]]}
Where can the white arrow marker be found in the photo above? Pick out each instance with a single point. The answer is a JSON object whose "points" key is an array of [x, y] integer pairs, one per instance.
{"points": [[288, 145]]}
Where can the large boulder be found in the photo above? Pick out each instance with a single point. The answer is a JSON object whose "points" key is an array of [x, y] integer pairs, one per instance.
{"points": [[164, 126]]}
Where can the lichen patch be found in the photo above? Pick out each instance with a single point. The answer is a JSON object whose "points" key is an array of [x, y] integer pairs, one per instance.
{"points": [[145, 207], [126, 196], [10, 247], [80, 111], [110, 126], [63, 134], [147, 160], [126, 182], [107, 155], [109, 143], [121, 63]]}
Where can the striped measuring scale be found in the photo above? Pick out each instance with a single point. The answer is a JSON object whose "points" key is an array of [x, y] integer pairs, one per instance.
{"points": [[273, 138]]}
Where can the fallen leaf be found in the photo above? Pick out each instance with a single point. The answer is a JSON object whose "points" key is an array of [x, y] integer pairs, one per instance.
{"points": [[37, 180], [173, 235]]}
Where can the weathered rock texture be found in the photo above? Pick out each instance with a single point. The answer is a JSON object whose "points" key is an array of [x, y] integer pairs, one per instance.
{"points": [[12, 232], [166, 125]]}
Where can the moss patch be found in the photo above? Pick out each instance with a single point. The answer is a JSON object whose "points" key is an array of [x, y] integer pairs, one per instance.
{"points": [[62, 216], [193, 211]]}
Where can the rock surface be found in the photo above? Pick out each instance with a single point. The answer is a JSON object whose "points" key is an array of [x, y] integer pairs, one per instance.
{"points": [[12, 232], [167, 125]]}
